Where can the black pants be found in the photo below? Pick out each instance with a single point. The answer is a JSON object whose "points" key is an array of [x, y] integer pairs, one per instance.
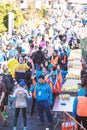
{"points": [[83, 120], [54, 95], [17, 110], [33, 106]]}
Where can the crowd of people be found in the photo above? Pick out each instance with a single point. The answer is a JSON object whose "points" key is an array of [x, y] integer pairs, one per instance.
{"points": [[28, 72]]}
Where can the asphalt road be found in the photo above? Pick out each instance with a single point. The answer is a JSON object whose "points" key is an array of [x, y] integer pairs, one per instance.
{"points": [[32, 123]]}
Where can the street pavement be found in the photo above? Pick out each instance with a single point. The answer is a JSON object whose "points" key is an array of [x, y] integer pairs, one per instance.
{"points": [[32, 123]]}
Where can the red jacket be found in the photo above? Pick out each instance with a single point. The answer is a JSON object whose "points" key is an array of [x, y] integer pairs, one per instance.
{"points": [[58, 84]]}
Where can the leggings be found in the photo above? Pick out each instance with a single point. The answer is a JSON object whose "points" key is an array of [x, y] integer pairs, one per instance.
{"points": [[17, 110]]}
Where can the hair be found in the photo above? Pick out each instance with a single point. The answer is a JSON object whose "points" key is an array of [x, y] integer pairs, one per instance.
{"points": [[41, 76], [40, 48]]}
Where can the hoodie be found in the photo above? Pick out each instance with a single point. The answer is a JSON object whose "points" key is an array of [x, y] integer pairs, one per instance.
{"points": [[43, 92], [81, 92]]}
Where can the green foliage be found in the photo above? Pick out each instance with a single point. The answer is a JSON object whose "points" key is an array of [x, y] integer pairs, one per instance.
{"points": [[19, 15], [18, 19], [42, 12], [4, 10]]}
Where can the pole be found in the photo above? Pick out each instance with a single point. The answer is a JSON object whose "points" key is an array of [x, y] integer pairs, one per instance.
{"points": [[10, 23]]}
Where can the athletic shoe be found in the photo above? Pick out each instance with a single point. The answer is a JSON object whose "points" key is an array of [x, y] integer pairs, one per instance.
{"points": [[4, 114], [14, 128], [25, 128]]}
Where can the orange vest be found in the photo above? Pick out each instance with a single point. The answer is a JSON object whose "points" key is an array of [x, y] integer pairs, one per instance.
{"points": [[54, 61], [82, 106], [58, 85], [34, 92]]}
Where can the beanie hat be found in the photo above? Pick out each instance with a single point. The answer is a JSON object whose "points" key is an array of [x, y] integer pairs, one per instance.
{"points": [[22, 83]]}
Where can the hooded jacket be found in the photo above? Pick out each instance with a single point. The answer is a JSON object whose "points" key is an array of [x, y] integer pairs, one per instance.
{"points": [[43, 92], [80, 103]]}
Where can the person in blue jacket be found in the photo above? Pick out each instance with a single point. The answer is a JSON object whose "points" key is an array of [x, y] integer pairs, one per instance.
{"points": [[79, 107], [44, 100]]}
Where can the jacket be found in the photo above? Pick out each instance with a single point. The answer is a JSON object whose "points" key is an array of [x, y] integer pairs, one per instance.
{"points": [[20, 95], [43, 92], [54, 61], [77, 103], [56, 88]]}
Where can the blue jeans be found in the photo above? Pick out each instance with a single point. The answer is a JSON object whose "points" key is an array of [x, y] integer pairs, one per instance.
{"points": [[43, 106]]}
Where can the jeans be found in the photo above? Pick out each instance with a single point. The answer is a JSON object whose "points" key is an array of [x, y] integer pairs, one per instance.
{"points": [[43, 106], [17, 110]]}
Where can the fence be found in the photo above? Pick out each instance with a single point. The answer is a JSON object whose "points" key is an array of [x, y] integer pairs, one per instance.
{"points": [[69, 123]]}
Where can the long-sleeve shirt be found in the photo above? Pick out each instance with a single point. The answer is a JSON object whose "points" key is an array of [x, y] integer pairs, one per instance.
{"points": [[43, 92], [20, 94]]}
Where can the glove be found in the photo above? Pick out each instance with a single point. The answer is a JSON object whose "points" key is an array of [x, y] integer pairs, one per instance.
{"points": [[11, 98], [30, 97]]}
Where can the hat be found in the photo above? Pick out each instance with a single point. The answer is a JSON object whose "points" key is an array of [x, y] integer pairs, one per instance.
{"points": [[54, 73], [50, 66], [22, 83], [81, 92]]}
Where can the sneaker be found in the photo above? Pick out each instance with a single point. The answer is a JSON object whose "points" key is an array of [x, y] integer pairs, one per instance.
{"points": [[4, 114], [25, 128], [14, 128]]}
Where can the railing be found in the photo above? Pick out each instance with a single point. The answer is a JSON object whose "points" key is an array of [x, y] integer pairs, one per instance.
{"points": [[69, 123]]}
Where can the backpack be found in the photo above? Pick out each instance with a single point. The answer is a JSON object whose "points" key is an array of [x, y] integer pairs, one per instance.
{"points": [[38, 57], [28, 79], [7, 83]]}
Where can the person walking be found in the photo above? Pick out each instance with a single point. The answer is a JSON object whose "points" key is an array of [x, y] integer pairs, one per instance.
{"points": [[20, 95], [43, 99]]}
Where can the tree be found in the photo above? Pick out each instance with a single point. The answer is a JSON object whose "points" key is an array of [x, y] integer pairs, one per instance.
{"points": [[4, 10]]}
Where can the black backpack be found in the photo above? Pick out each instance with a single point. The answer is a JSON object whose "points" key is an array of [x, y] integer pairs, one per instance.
{"points": [[38, 57], [7, 82]]}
